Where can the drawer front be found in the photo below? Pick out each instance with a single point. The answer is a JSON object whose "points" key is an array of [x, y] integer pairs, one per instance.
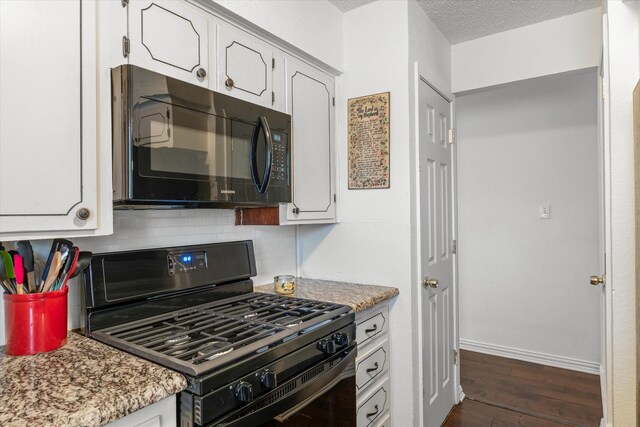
{"points": [[373, 407], [372, 365], [385, 421], [372, 326]]}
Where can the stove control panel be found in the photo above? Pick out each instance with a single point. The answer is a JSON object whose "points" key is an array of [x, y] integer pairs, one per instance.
{"points": [[186, 261]]}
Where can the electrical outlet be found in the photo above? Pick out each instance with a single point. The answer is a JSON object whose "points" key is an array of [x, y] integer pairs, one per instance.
{"points": [[545, 211]]}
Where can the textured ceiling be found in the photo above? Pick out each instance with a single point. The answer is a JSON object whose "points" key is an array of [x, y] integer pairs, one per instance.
{"points": [[462, 20]]}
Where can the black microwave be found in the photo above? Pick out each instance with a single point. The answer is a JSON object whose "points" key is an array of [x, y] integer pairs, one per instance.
{"points": [[176, 144]]}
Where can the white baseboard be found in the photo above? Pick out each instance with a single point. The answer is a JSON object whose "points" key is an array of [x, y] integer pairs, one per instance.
{"points": [[461, 394], [532, 356]]}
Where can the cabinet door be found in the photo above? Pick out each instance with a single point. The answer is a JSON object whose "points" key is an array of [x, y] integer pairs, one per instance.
{"points": [[48, 117], [169, 37], [310, 93], [245, 66]]}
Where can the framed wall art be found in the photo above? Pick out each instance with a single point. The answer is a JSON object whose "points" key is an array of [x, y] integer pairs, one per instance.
{"points": [[369, 141]]}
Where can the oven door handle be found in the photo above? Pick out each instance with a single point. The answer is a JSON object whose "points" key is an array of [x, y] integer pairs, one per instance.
{"points": [[261, 183], [266, 407]]}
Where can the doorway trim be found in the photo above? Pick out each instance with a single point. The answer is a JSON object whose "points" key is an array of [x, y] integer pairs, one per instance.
{"points": [[426, 77]]}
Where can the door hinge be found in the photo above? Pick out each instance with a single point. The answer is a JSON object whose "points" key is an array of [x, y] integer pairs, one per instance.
{"points": [[124, 3], [273, 63], [602, 88], [334, 199], [273, 97], [126, 46], [454, 246], [334, 101], [452, 136], [455, 357]]}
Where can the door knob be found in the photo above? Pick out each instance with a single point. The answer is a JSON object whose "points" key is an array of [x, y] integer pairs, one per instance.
{"points": [[430, 283], [596, 280]]}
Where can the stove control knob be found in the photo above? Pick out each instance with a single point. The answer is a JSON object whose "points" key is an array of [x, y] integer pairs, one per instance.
{"points": [[341, 339], [244, 392], [326, 346], [269, 379]]}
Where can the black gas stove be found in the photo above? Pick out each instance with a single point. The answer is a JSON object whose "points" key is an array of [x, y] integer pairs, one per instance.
{"points": [[249, 358]]}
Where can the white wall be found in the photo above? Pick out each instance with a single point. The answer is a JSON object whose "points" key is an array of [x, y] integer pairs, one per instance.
{"points": [[373, 241], [315, 26], [429, 47], [621, 76], [524, 280], [563, 44], [274, 246]]}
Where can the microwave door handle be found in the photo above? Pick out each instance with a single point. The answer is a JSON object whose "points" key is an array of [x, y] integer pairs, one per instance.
{"points": [[253, 166], [261, 183], [268, 158]]}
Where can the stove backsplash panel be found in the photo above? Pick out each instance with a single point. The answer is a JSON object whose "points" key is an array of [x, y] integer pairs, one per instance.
{"points": [[275, 247]]}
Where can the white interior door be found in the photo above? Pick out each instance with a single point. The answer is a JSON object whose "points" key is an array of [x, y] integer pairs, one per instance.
{"points": [[437, 264], [606, 347]]}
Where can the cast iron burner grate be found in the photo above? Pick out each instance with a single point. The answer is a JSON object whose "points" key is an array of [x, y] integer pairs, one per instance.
{"points": [[200, 338]]}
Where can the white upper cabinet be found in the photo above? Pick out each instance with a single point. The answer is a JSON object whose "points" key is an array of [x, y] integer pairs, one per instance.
{"points": [[310, 102], [245, 66], [171, 38], [48, 150]]}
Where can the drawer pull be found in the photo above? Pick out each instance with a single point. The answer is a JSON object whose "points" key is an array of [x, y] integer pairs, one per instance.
{"points": [[374, 413], [375, 368], [375, 328]]}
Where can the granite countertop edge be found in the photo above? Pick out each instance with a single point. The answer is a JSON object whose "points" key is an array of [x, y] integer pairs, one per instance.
{"points": [[359, 296], [84, 383]]}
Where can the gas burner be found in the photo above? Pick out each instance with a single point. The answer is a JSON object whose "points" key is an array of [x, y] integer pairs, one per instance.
{"points": [[288, 321], [250, 315], [213, 346], [180, 339]]}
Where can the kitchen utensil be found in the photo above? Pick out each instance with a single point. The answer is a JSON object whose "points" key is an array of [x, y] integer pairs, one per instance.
{"points": [[83, 262], [38, 270], [19, 270], [8, 265], [26, 251], [6, 285], [56, 246], [54, 268], [68, 268]]}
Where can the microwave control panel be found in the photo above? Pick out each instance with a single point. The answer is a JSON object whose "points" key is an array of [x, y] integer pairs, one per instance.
{"points": [[280, 157], [185, 262]]}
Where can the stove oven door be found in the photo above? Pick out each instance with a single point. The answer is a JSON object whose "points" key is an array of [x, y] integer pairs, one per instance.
{"points": [[323, 395]]}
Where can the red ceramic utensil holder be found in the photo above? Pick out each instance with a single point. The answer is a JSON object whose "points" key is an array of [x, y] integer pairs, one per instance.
{"points": [[35, 323]]}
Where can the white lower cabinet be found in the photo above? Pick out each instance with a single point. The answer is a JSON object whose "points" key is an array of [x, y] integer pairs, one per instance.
{"points": [[373, 393], [160, 414]]}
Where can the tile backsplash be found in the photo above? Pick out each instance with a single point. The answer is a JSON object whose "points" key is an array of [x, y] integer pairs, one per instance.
{"points": [[275, 247]]}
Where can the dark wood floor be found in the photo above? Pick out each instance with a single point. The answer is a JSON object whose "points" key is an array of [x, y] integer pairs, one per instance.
{"points": [[508, 392]]}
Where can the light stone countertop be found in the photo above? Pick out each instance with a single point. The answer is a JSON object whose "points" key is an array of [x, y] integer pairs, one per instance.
{"points": [[359, 297], [84, 383]]}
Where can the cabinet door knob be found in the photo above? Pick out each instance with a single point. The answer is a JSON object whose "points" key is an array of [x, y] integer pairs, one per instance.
{"points": [[83, 214], [229, 83], [201, 73]]}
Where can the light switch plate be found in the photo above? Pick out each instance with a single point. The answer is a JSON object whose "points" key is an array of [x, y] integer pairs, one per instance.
{"points": [[545, 211]]}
